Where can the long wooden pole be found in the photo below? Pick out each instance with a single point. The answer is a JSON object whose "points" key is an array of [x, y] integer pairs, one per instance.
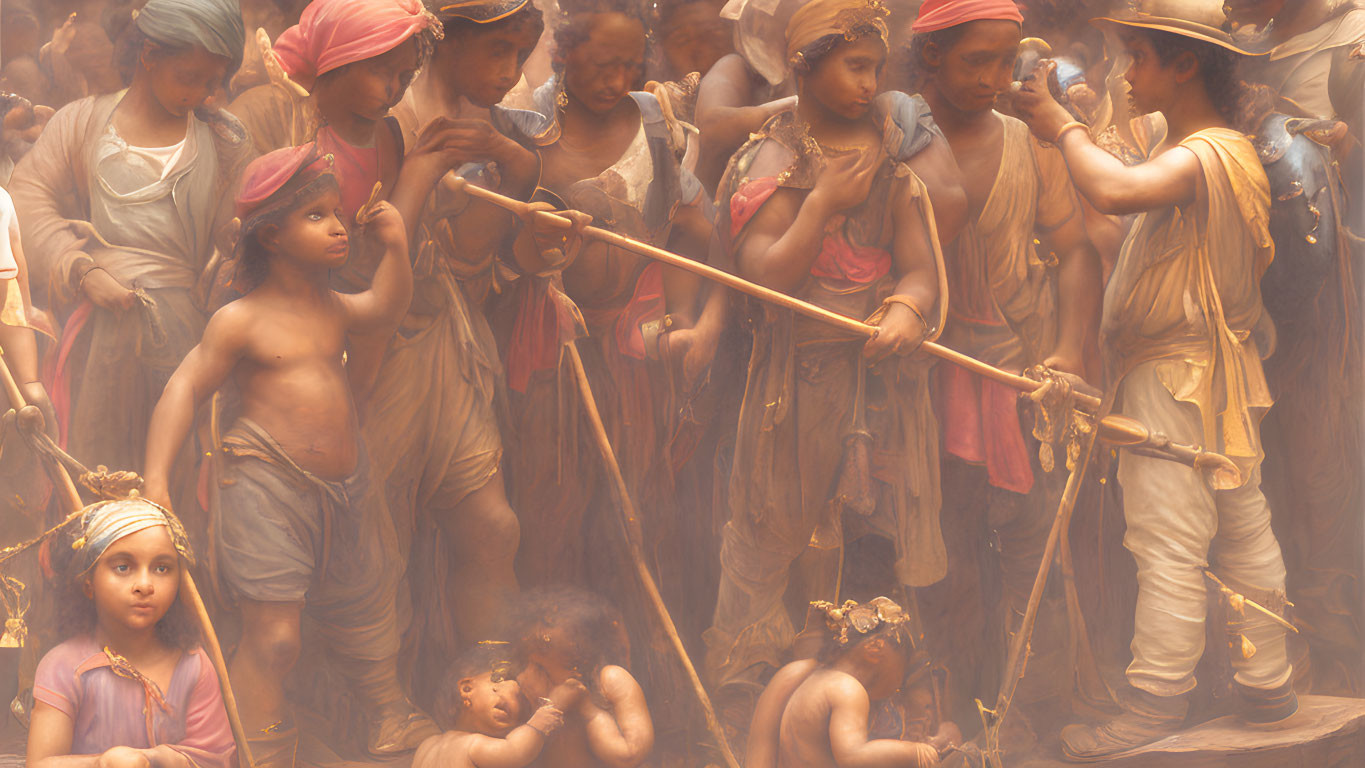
{"points": [[189, 590], [634, 540]]}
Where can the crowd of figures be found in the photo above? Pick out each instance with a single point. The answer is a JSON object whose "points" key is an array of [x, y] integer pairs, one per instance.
{"points": [[362, 290]]}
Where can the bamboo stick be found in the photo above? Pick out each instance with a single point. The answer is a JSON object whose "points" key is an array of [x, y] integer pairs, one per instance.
{"points": [[634, 539]]}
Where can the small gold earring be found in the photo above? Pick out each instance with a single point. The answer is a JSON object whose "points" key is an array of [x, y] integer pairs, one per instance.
{"points": [[562, 100]]}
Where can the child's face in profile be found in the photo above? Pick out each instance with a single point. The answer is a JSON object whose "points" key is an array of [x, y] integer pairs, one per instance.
{"points": [[135, 581], [1151, 82], [312, 234], [493, 703]]}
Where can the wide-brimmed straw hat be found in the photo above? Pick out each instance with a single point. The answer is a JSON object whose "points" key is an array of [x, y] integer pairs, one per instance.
{"points": [[1198, 19]]}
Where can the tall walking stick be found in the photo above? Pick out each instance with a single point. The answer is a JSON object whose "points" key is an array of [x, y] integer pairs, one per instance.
{"points": [[634, 540], [189, 591]]}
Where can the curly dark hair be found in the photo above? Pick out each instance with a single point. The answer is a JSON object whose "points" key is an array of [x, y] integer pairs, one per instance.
{"points": [[479, 659], [1237, 101], [576, 28], [76, 614], [595, 625]]}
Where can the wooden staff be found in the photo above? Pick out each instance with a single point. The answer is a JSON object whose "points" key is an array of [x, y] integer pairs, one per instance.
{"points": [[1119, 430], [634, 540], [189, 591]]}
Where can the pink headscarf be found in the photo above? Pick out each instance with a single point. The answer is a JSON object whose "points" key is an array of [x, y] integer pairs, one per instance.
{"points": [[269, 173], [334, 33], [941, 14]]}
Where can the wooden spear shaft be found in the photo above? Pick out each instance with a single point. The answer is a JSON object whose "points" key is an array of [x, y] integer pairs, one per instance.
{"points": [[189, 590], [856, 327], [634, 538]]}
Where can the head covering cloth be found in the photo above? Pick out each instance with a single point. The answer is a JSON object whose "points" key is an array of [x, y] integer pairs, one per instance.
{"points": [[942, 14], [333, 33], [105, 522], [478, 11], [822, 18], [214, 25], [272, 181]]}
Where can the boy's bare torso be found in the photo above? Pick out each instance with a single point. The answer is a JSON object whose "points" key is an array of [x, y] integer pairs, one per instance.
{"points": [[293, 381], [804, 741]]}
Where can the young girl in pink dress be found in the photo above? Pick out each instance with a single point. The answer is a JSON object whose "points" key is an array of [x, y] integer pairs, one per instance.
{"points": [[129, 688]]}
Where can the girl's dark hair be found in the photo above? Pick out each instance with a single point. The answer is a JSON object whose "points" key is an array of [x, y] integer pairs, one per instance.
{"points": [[480, 659], [576, 28], [1240, 104], [594, 624], [253, 260], [76, 613], [919, 69], [833, 650]]}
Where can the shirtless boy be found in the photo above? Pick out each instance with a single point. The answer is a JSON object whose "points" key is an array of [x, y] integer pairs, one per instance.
{"points": [[825, 721], [481, 704], [297, 534]]}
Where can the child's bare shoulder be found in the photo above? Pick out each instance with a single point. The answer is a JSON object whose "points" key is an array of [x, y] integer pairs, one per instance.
{"points": [[617, 682], [444, 750]]}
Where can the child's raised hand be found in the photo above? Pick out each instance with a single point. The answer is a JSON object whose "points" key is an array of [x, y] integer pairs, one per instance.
{"points": [[384, 223], [1035, 104], [547, 719]]}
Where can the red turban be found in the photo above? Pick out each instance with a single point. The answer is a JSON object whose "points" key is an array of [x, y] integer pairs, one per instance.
{"points": [[269, 173], [941, 14], [334, 33]]}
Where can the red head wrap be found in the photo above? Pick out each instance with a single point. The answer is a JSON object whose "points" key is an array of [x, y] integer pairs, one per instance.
{"points": [[941, 14], [334, 33], [269, 173]]}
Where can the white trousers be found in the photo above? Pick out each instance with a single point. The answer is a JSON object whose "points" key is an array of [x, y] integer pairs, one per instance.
{"points": [[1176, 522]]}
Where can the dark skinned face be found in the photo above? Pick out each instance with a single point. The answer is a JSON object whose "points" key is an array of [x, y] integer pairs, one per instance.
{"points": [[312, 234], [370, 88], [1152, 82], [978, 67], [184, 80], [484, 66], [603, 69], [696, 37], [844, 81]]}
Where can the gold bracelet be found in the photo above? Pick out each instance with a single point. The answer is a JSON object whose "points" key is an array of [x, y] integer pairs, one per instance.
{"points": [[1067, 127], [908, 302]]}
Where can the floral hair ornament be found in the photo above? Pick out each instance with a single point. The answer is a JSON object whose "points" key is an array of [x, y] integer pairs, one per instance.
{"points": [[821, 18], [864, 618]]}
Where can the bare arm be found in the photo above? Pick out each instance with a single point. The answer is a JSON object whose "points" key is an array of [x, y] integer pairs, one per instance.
{"points": [[849, 708], [1170, 178], [726, 114], [1079, 294], [760, 751], [382, 306], [937, 168], [913, 252], [520, 747], [624, 737], [198, 376]]}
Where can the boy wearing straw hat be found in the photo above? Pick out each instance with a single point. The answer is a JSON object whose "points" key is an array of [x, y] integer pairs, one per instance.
{"points": [[1184, 331]]}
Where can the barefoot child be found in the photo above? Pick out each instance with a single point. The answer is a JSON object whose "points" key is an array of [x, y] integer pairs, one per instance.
{"points": [[129, 687], [825, 721], [299, 533], [570, 634], [480, 704], [1184, 329]]}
